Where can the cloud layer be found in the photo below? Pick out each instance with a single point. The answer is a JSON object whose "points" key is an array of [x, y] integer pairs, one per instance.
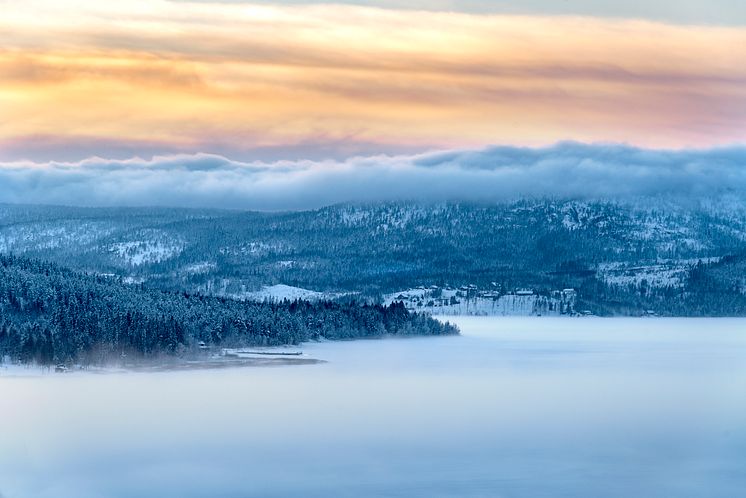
{"points": [[727, 12], [86, 77], [565, 170]]}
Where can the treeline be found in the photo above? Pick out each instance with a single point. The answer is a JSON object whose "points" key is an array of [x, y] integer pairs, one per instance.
{"points": [[53, 315]]}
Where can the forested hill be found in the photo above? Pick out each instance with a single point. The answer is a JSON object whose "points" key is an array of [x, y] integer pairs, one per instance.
{"points": [[53, 315], [665, 255]]}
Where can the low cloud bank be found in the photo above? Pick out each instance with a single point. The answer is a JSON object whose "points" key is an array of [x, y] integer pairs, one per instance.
{"points": [[565, 170]]}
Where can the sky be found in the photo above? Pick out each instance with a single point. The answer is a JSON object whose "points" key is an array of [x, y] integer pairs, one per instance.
{"points": [[298, 81], [729, 12]]}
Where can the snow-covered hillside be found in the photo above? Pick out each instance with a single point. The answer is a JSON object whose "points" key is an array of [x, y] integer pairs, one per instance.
{"points": [[624, 253], [137, 253]]}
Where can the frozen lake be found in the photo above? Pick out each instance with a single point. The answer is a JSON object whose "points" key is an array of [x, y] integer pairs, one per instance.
{"points": [[516, 407]]}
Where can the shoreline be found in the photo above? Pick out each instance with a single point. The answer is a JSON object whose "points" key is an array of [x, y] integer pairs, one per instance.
{"points": [[32, 370]]}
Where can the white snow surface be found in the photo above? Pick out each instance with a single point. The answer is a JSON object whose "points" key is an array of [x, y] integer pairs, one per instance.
{"points": [[663, 273], [136, 253], [200, 268], [279, 292]]}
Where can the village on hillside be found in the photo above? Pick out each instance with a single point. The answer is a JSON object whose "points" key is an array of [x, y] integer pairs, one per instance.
{"points": [[471, 300]]}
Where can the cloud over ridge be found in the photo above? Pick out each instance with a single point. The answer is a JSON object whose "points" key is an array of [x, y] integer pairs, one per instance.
{"points": [[564, 170]]}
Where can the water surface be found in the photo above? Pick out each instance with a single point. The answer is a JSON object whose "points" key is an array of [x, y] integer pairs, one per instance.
{"points": [[526, 407]]}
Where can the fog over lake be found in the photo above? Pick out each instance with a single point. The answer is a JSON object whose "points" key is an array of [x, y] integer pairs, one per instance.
{"points": [[515, 407]]}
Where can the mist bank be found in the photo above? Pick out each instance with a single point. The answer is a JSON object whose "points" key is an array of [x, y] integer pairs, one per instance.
{"points": [[523, 408], [567, 170]]}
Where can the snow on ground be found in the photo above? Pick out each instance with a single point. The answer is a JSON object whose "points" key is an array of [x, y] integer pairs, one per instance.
{"points": [[136, 253], [200, 268], [254, 248], [52, 235], [281, 291], [664, 273], [654, 276], [133, 280]]}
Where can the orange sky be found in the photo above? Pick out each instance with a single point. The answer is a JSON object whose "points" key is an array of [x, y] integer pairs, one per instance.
{"points": [[86, 78]]}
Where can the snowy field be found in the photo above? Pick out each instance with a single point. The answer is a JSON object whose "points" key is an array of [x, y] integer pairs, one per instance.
{"points": [[280, 291], [515, 407]]}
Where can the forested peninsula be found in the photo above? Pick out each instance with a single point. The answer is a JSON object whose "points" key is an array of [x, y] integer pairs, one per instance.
{"points": [[53, 315]]}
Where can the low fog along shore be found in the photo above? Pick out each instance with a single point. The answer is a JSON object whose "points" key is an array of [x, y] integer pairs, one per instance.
{"points": [[520, 407]]}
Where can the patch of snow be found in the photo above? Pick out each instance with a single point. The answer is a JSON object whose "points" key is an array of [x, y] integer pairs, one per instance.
{"points": [[281, 291], [255, 248], [133, 280], [199, 268], [663, 273], [136, 253]]}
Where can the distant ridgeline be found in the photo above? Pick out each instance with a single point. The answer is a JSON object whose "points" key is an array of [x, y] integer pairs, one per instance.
{"points": [[653, 255], [53, 315]]}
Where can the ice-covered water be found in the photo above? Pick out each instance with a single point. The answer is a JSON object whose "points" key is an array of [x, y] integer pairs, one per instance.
{"points": [[530, 407]]}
